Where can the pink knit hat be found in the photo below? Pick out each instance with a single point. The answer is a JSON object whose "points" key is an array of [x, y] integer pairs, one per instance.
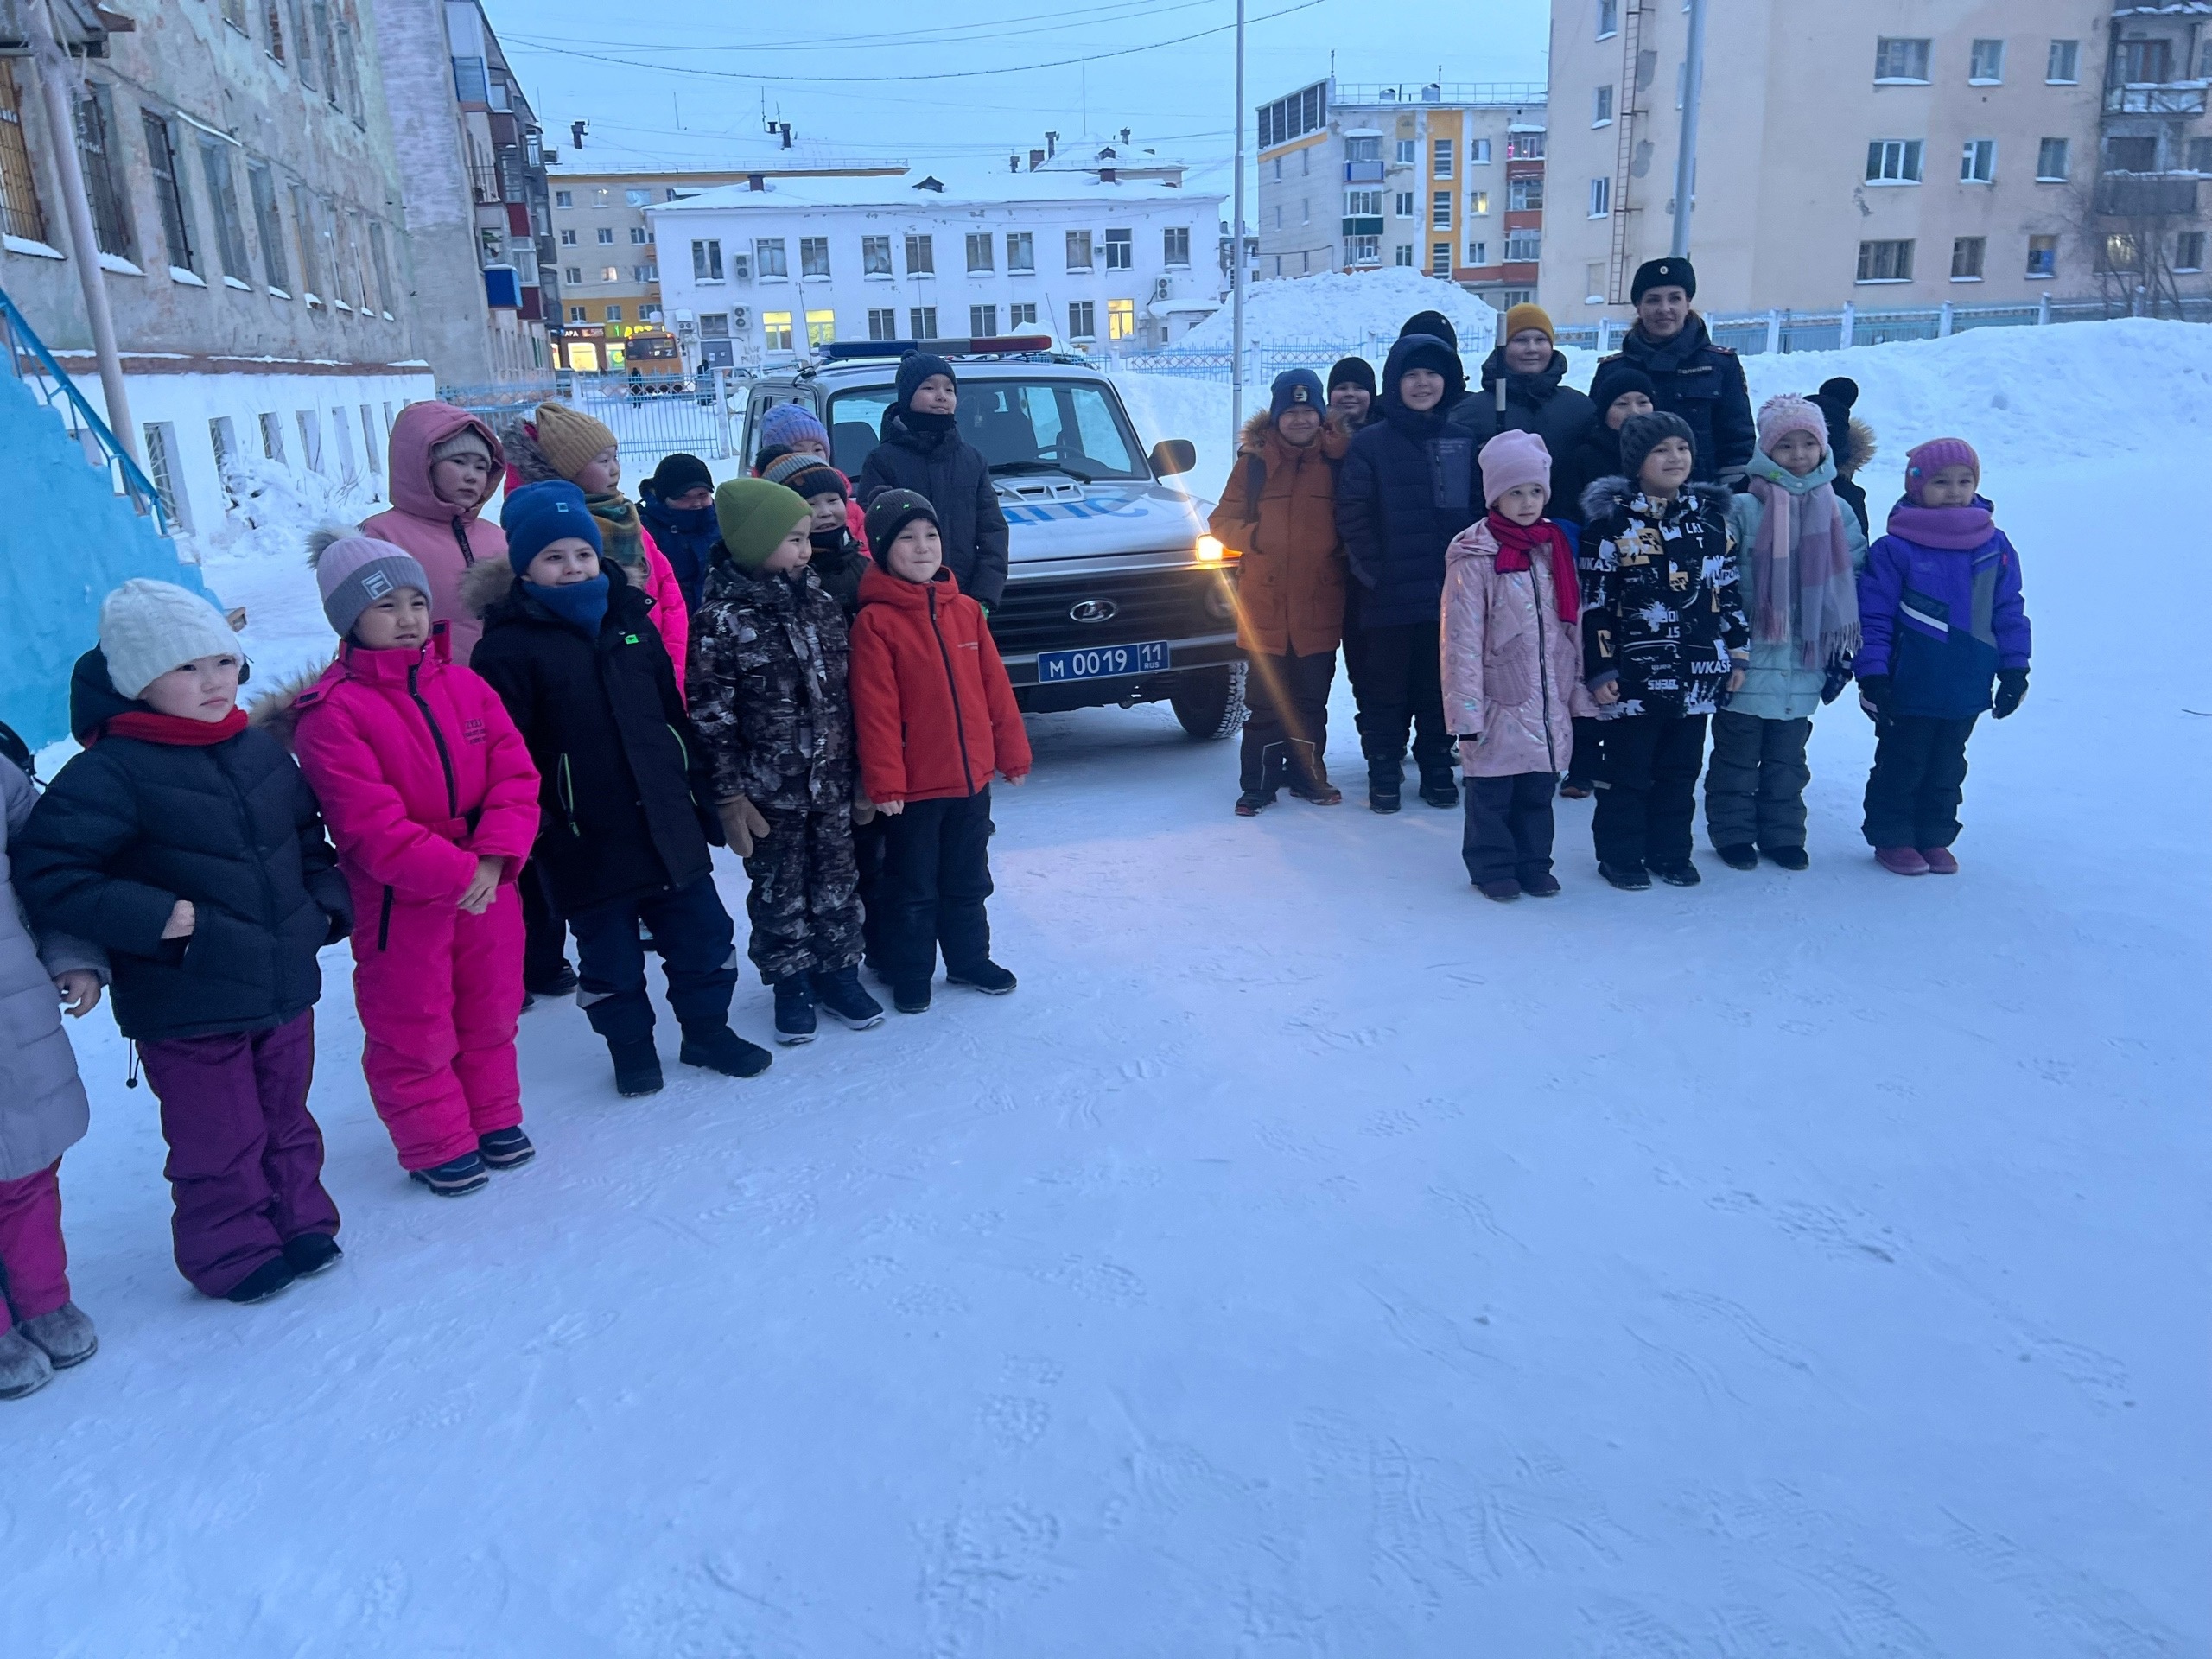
{"points": [[1513, 458], [1779, 417], [1925, 460]]}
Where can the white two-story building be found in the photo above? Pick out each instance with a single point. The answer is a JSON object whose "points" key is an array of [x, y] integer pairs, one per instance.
{"points": [[754, 273]]}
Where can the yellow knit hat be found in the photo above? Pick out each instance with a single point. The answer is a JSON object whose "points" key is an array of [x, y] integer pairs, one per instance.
{"points": [[569, 439], [1529, 316]]}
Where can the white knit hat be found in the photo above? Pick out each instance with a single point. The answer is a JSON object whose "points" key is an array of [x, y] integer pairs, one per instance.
{"points": [[147, 628]]}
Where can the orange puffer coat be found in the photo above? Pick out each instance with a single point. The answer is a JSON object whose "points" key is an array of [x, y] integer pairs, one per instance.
{"points": [[1290, 582]]}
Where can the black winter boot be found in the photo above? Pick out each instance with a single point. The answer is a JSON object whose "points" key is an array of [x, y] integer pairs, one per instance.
{"points": [[312, 1252], [1743, 857], [794, 1010], [637, 1068], [724, 1051], [264, 1282], [1384, 778], [839, 990], [1439, 784], [986, 976]]}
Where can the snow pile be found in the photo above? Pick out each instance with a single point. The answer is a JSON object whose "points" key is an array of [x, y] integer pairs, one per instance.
{"points": [[1360, 309]]}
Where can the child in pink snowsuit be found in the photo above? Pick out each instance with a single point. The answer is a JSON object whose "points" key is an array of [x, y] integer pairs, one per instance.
{"points": [[432, 801], [445, 465]]}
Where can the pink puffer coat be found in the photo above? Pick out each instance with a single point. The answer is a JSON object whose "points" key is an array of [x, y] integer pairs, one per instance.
{"points": [[444, 542], [1512, 670]]}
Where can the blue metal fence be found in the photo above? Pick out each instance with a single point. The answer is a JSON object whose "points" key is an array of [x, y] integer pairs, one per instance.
{"points": [[31, 363]]}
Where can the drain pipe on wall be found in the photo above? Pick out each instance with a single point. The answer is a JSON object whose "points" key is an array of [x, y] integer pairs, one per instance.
{"points": [[1686, 150]]}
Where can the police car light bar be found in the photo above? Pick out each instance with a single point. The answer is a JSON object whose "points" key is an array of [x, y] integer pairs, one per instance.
{"points": [[989, 346]]}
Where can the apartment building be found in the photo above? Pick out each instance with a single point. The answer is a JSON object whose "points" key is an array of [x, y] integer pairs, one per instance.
{"points": [[246, 202], [762, 271], [1895, 152], [1445, 177]]}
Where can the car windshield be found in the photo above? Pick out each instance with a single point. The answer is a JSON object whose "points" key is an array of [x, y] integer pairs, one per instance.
{"points": [[1021, 426]]}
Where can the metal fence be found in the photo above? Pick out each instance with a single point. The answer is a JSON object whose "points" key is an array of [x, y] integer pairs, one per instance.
{"points": [[29, 361], [650, 417]]}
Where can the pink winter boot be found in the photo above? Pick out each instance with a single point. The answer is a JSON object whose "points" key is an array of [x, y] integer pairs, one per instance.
{"points": [[1939, 860], [1901, 861]]}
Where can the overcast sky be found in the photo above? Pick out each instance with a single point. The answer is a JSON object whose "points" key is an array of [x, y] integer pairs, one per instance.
{"points": [[703, 102]]}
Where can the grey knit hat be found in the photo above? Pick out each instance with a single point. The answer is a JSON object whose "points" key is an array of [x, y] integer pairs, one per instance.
{"points": [[1641, 433], [147, 628], [355, 571]]}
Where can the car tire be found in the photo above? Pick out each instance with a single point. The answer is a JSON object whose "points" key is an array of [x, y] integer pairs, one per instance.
{"points": [[1209, 702]]}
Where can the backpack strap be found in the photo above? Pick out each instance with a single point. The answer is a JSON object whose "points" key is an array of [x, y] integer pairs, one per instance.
{"points": [[13, 747]]}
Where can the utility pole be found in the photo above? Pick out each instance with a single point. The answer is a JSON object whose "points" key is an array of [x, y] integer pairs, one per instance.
{"points": [[54, 79], [1236, 253], [1686, 152]]}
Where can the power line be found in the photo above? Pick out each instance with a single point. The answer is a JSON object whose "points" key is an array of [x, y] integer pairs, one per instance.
{"points": [[953, 34]]}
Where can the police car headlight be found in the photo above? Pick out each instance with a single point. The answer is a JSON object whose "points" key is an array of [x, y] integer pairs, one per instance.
{"points": [[1210, 551]]}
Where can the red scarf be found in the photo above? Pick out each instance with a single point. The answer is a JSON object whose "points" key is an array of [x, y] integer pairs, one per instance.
{"points": [[1517, 542], [177, 730]]}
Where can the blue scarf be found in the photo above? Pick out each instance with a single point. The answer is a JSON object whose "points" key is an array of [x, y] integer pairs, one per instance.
{"points": [[582, 604]]}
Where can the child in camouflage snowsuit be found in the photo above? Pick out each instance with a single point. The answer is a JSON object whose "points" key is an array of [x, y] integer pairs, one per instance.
{"points": [[768, 689]]}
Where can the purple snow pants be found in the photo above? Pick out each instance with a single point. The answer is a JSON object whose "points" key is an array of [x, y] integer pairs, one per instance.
{"points": [[245, 1159], [34, 1266]]}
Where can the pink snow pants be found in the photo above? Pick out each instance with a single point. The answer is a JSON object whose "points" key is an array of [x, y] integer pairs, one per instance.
{"points": [[439, 991], [34, 1266]]}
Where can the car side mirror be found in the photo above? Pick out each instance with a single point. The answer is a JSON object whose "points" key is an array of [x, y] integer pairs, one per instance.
{"points": [[1173, 455]]}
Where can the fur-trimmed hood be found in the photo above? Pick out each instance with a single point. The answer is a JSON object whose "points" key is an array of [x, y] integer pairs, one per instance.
{"points": [[1606, 495], [524, 458], [485, 584], [1863, 446], [1260, 423], [276, 710]]}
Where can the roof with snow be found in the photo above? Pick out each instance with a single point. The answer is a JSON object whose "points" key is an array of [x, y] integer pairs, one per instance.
{"points": [[962, 187]]}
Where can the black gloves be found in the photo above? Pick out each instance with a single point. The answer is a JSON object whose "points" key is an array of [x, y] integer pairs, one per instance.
{"points": [[1873, 692], [1838, 676], [2011, 690]]}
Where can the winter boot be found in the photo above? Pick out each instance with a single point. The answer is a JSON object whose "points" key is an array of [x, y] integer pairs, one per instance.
{"points": [[505, 1148], [1504, 892], [1683, 875], [1439, 784], [986, 976], [1574, 789], [722, 1050], [1385, 778], [65, 1336], [24, 1367], [1939, 860], [1739, 857], [312, 1252], [455, 1178], [1309, 776], [264, 1282], [562, 983], [912, 997], [1253, 802], [839, 990], [1541, 887], [794, 1010], [1900, 860], [1628, 878], [1791, 858], [637, 1068]]}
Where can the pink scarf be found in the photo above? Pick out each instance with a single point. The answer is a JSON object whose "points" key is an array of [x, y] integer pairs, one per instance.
{"points": [[1800, 565]]}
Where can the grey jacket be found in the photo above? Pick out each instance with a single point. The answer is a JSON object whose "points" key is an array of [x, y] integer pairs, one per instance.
{"points": [[42, 1108]]}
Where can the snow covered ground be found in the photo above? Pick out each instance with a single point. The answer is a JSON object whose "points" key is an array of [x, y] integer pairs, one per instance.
{"points": [[1310, 1259]]}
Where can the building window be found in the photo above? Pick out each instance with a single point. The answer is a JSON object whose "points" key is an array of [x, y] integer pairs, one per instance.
{"points": [[1479, 204], [1986, 63], [229, 222], [645, 273], [1120, 319], [610, 273], [1524, 147], [2062, 67], [573, 274], [1403, 254], [979, 250], [1363, 149], [875, 261], [1609, 19], [1967, 253], [1478, 253], [1022, 315], [639, 235], [1079, 249], [1977, 162], [162, 470], [267, 223], [921, 260], [96, 148], [922, 322], [599, 196], [168, 191], [607, 236], [883, 323], [1524, 194], [638, 198], [1440, 259], [1366, 251], [1022, 251], [769, 258], [714, 324], [814, 255], [307, 240], [383, 270], [983, 321], [20, 212], [613, 313], [310, 438], [2136, 153], [2200, 152], [1899, 60], [1408, 151], [564, 198], [577, 313], [1401, 204], [1893, 160], [2146, 63], [2051, 161], [1601, 198], [2117, 253], [1175, 245], [1478, 152], [2189, 251], [1119, 254], [223, 439], [569, 238], [1601, 107], [1441, 153], [1886, 262], [776, 330], [1523, 247], [1083, 319], [821, 328], [1440, 211]]}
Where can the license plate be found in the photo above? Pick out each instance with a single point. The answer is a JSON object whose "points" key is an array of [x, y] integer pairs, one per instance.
{"points": [[1102, 662]]}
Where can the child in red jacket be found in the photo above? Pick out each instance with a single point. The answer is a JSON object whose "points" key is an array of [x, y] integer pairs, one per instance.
{"points": [[935, 715], [432, 799]]}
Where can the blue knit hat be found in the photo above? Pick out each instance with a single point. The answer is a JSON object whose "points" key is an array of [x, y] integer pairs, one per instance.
{"points": [[786, 424], [538, 514], [916, 367], [1297, 389]]}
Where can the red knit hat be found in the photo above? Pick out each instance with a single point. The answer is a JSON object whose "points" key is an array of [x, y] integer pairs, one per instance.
{"points": [[1925, 460]]}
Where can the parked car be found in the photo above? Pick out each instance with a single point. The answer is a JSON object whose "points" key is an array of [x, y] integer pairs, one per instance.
{"points": [[1115, 593]]}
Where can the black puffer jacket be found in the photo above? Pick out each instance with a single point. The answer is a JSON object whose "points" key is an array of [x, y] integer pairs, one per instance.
{"points": [[771, 665], [1558, 414], [686, 538], [624, 788], [1408, 486], [1662, 609], [131, 827], [953, 474], [1596, 454], [1704, 384], [839, 567]]}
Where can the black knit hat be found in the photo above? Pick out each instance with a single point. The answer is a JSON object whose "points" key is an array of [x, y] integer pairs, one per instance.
{"points": [[1432, 322], [890, 512], [1641, 435], [1615, 376], [1670, 272], [1352, 371], [808, 475], [679, 475], [1835, 400], [916, 367]]}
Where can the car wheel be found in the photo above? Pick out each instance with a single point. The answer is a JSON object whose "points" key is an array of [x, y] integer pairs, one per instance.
{"points": [[1209, 703]]}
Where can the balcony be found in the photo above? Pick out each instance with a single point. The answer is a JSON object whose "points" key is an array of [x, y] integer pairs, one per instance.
{"points": [[2164, 97], [484, 185], [1363, 171], [2146, 196], [1363, 226]]}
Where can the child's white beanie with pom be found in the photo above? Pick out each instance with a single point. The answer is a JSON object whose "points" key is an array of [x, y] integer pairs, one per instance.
{"points": [[355, 571], [147, 628]]}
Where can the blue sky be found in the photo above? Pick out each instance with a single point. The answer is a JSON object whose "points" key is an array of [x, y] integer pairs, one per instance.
{"points": [[704, 99]]}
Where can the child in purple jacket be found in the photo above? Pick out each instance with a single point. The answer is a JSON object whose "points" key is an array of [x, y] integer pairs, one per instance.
{"points": [[1939, 604]]}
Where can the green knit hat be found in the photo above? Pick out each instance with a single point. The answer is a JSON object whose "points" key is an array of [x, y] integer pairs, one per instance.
{"points": [[754, 516]]}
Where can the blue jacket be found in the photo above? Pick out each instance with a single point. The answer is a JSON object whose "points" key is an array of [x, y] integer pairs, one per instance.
{"points": [[1940, 621], [1408, 486]]}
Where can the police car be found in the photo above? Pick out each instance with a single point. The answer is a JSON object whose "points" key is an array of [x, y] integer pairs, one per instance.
{"points": [[1115, 593]]}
